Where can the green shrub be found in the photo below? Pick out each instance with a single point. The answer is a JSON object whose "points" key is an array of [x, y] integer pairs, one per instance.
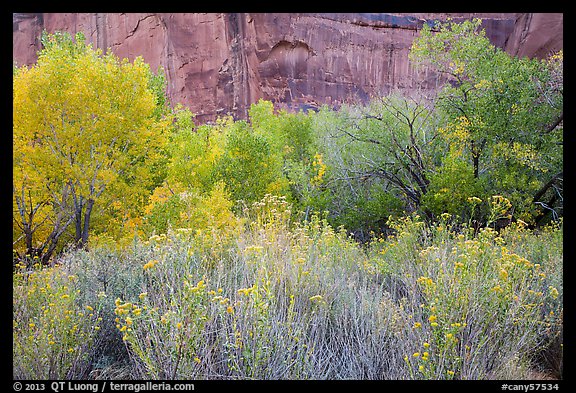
{"points": [[54, 331]]}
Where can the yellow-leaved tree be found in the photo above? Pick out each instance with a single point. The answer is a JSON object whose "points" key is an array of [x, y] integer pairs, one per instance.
{"points": [[86, 127]]}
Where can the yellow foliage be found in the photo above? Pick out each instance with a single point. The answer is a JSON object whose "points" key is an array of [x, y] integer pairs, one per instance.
{"points": [[82, 124], [320, 169]]}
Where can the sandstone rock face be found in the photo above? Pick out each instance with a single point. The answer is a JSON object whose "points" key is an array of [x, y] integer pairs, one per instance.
{"points": [[536, 35], [222, 63]]}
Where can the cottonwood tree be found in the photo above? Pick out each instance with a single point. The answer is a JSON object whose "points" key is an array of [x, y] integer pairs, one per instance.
{"points": [[84, 123], [504, 116]]}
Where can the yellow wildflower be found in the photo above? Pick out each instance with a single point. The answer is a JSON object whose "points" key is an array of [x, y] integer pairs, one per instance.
{"points": [[474, 200], [150, 264], [316, 298], [554, 292]]}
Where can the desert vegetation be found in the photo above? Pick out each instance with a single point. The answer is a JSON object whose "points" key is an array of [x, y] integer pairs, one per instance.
{"points": [[404, 238]]}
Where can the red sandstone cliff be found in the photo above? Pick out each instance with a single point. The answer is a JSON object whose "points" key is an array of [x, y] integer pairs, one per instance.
{"points": [[221, 63]]}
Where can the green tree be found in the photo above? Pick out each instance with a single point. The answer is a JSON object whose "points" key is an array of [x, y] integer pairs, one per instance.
{"points": [[86, 127], [504, 113], [293, 149], [248, 165], [379, 158]]}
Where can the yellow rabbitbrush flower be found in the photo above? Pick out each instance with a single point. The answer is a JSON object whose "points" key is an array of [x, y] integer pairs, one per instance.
{"points": [[427, 281], [248, 291], [253, 250], [199, 287], [151, 264], [316, 298], [474, 200], [554, 292], [321, 170]]}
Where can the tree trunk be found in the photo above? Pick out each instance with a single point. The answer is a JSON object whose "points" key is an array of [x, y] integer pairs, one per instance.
{"points": [[86, 226], [78, 207], [475, 159]]}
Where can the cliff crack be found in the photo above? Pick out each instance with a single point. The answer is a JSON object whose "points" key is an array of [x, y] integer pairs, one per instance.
{"points": [[133, 31]]}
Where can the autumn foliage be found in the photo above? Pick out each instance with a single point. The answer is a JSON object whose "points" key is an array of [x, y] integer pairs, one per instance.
{"points": [[403, 238]]}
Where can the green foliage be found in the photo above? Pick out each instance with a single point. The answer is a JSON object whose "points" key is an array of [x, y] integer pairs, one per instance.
{"points": [[195, 151], [53, 333], [450, 189], [476, 300], [248, 165], [268, 155], [386, 147], [503, 111]]}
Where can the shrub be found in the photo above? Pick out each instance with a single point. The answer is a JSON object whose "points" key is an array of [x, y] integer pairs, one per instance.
{"points": [[54, 332]]}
